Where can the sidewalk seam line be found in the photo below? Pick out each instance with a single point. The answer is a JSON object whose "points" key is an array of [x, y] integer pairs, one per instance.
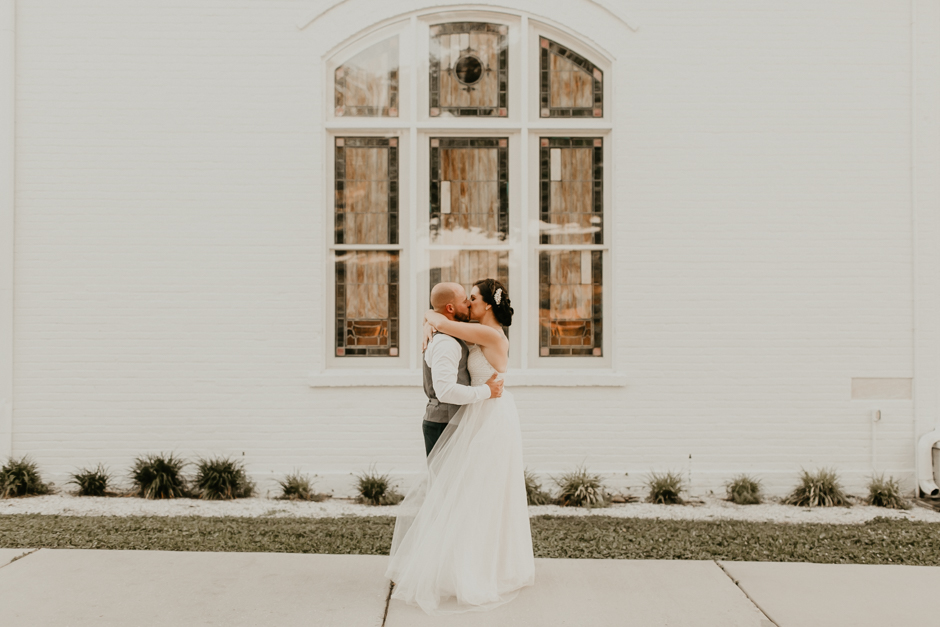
{"points": [[19, 557], [388, 600], [743, 591]]}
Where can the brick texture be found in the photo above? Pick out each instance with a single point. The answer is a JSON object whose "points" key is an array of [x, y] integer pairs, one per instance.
{"points": [[169, 256]]}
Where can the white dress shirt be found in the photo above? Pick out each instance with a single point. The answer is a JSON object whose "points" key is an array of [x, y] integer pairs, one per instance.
{"points": [[443, 356]]}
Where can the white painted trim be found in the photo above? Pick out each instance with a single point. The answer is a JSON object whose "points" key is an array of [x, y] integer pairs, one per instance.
{"points": [[603, 5], [586, 44], [366, 247], [514, 378], [614, 13], [7, 204]]}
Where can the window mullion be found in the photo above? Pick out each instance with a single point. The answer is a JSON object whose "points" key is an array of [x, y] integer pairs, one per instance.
{"points": [[523, 214], [571, 247], [416, 257]]}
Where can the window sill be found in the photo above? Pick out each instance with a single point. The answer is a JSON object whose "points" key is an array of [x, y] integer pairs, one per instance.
{"points": [[354, 378]]}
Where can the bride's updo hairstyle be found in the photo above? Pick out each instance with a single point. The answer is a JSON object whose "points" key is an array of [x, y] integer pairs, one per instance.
{"points": [[489, 288]]}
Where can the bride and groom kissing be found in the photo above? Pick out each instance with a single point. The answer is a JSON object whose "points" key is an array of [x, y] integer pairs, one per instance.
{"points": [[462, 540]]}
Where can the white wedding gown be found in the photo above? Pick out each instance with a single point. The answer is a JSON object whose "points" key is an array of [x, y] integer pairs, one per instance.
{"points": [[462, 540]]}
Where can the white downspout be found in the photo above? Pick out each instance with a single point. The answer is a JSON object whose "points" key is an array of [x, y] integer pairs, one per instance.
{"points": [[7, 172], [925, 480]]}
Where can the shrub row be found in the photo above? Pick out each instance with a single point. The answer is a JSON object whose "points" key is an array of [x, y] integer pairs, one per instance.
{"points": [[221, 478], [152, 477], [819, 489], [162, 477]]}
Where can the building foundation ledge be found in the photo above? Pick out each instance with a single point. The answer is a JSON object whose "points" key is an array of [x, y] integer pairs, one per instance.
{"points": [[514, 378]]}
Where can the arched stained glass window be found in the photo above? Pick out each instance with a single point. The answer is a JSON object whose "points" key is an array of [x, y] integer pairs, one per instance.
{"points": [[570, 85], [367, 84], [467, 178]]}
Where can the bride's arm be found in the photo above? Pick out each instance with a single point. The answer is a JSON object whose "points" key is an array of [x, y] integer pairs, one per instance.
{"points": [[427, 332], [466, 331]]}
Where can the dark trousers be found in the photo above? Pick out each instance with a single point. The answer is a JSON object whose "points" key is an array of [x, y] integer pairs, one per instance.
{"points": [[432, 431]]}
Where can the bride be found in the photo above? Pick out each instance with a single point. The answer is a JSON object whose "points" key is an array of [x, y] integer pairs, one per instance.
{"points": [[462, 540]]}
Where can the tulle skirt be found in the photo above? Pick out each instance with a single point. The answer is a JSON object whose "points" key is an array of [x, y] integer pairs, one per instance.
{"points": [[462, 540]]}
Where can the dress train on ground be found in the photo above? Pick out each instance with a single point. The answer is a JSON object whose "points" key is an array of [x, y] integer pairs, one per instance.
{"points": [[462, 540]]}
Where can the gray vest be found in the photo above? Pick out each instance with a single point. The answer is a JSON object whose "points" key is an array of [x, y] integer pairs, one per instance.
{"points": [[436, 410]]}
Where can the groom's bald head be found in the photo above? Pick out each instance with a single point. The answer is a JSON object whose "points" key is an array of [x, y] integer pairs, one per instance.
{"points": [[450, 299], [444, 294]]}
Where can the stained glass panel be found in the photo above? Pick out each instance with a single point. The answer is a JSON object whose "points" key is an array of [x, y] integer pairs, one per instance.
{"points": [[570, 86], [469, 69], [469, 190], [469, 266], [366, 303], [366, 184], [570, 291], [571, 190], [367, 84]]}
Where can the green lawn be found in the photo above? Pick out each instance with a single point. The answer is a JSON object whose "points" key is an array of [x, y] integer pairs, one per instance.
{"points": [[881, 541]]}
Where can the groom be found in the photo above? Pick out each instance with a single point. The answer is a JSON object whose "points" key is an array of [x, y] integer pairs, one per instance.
{"points": [[446, 378]]}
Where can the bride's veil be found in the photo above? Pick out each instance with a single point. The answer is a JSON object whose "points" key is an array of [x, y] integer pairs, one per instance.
{"points": [[415, 496]]}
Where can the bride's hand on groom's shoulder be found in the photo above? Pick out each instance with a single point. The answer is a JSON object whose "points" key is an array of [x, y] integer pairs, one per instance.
{"points": [[427, 333]]}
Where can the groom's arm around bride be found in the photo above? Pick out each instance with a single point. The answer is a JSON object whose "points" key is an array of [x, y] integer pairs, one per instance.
{"points": [[446, 378]]}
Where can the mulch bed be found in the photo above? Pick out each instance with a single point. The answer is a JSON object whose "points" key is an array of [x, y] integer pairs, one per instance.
{"points": [[881, 541]]}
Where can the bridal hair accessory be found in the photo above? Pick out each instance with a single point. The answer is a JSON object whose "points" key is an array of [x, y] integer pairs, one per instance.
{"points": [[498, 296]]}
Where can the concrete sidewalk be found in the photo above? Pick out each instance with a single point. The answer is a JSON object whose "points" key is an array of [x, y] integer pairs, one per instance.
{"points": [[76, 588]]}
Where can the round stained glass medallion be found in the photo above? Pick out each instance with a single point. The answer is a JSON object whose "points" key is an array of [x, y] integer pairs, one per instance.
{"points": [[468, 69]]}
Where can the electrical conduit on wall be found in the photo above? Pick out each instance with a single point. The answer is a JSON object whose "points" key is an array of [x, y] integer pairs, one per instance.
{"points": [[7, 155], [925, 470]]}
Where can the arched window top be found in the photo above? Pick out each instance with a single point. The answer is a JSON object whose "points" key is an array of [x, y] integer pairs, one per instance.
{"points": [[367, 84], [468, 64], [570, 86]]}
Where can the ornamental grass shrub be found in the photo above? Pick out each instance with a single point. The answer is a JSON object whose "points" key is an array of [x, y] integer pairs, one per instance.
{"points": [[376, 489], [579, 488], [744, 490], [222, 479], [91, 481], [534, 493], [886, 493], [159, 477], [819, 489], [298, 487], [665, 488], [20, 477]]}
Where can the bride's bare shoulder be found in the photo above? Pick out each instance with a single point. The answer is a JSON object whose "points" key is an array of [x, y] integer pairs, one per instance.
{"points": [[497, 357]]}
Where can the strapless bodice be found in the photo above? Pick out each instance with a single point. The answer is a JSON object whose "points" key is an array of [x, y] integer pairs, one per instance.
{"points": [[480, 369]]}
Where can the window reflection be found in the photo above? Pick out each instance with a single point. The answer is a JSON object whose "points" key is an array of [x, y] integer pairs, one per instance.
{"points": [[366, 303], [570, 86], [570, 308], [469, 266], [367, 84], [469, 69], [366, 190], [571, 193], [469, 190]]}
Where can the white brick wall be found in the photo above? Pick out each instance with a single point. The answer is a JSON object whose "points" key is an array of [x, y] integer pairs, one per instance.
{"points": [[169, 228]]}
